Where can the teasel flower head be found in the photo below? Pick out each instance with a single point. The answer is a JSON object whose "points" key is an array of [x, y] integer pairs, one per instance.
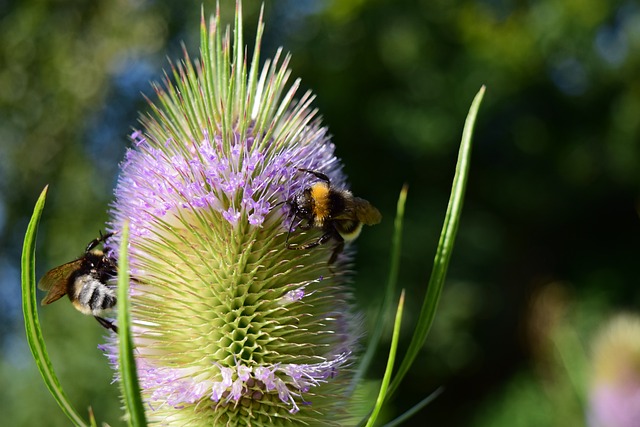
{"points": [[230, 326], [614, 399]]}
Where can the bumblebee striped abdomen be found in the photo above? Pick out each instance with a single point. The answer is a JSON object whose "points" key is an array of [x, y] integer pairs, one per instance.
{"points": [[90, 296]]}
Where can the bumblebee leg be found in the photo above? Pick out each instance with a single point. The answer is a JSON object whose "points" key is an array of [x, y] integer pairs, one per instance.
{"points": [[286, 242], [336, 251], [319, 241], [307, 226], [107, 324]]}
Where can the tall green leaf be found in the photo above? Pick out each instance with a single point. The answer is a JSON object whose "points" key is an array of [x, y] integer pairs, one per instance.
{"points": [[129, 385], [445, 246], [384, 312], [390, 361], [31, 321]]}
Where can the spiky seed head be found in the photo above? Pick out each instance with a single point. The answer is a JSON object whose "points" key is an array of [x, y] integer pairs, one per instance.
{"points": [[230, 326]]}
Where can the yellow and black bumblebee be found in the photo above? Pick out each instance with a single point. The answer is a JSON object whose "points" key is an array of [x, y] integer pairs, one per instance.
{"points": [[337, 212], [85, 281]]}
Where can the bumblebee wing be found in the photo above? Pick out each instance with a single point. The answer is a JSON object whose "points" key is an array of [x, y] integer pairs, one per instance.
{"points": [[56, 280], [366, 212]]}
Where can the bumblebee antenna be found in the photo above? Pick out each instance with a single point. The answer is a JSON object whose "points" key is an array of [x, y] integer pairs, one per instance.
{"points": [[317, 174], [95, 242]]}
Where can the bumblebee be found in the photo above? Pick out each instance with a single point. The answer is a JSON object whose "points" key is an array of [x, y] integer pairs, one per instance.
{"points": [[85, 282], [338, 213]]}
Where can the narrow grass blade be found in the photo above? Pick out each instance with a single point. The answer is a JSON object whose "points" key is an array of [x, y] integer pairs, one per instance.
{"points": [[31, 321], [384, 312], [92, 418], [414, 410], [390, 361], [445, 246], [129, 385]]}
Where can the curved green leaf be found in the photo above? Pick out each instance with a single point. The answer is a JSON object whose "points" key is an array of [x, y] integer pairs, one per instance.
{"points": [[31, 321], [445, 246]]}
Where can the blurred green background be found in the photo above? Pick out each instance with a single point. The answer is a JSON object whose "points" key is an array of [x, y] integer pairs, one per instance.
{"points": [[548, 244]]}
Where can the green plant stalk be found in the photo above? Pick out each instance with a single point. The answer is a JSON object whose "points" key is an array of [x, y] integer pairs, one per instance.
{"points": [[129, 385], [390, 362], [385, 305], [445, 246], [31, 320]]}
